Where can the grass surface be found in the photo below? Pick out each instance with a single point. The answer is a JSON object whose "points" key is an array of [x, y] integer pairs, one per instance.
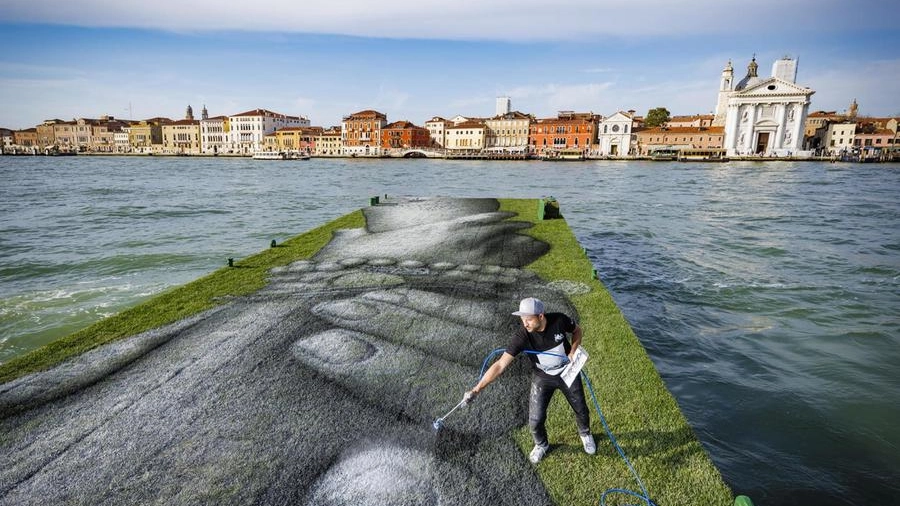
{"points": [[247, 276], [640, 411]]}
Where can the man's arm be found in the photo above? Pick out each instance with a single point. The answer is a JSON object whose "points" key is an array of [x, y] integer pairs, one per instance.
{"points": [[495, 370], [576, 341]]}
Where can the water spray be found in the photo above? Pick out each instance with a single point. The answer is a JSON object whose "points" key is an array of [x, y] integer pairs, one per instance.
{"points": [[439, 423]]}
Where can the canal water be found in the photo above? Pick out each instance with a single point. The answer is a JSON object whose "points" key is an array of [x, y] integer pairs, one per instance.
{"points": [[766, 294]]}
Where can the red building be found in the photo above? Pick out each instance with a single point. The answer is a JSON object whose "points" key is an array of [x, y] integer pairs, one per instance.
{"points": [[403, 134], [568, 131]]}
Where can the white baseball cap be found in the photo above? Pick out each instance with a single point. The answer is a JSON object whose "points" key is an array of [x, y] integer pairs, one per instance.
{"points": [[530, 307]]}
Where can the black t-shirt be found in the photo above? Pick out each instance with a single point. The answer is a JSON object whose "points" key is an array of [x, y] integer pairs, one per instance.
{"points": [[552, 340]]}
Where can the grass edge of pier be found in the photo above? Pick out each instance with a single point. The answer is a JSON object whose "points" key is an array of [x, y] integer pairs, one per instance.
{"points": [[641, 412]]}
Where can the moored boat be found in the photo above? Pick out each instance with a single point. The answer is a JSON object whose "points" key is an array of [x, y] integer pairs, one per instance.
{"points": [[269, 155], [702, 155], [664, 155], [563, 155]]}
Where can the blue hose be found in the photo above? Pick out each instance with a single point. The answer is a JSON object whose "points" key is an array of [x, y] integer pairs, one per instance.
{"points": [[645, 497]]}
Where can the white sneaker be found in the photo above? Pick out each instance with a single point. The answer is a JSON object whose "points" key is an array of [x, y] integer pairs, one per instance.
{"points": [[537, 453], [588, 442]]}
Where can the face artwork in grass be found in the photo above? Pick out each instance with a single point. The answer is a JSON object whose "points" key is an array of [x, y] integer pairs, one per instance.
{"points": [[320, 388], [401, 316]]}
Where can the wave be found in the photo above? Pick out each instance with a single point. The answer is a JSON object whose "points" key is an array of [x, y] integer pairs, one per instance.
{"points": [[112, 265]]}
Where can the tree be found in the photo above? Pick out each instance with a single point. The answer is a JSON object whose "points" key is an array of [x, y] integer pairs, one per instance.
{"points": [[658, 116]]}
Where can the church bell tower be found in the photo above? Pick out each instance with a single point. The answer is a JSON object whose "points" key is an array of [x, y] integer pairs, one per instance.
{"points": [[726, 86]]}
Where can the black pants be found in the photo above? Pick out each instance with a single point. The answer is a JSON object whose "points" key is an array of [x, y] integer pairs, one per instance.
{"points": [[541, 392]]}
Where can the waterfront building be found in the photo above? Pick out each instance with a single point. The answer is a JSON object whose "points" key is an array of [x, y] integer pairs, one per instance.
{"points": [[840, 137], [214, 134], [815, 129], [7, 139], [818, 119], [295, 139], [247, 129], [507, 131], [466, 136], [145, 136], [182, 137], [615, 135], [46, 133], [764, 117], [82, 131], [270, 142], [361, 133], [329, 143], [120, 140], [102, 133], [567, 131], [64, 133], [401, 135], [437, 129], [82, 134], [649, 140], [693, 121], [872, 141], [27, 138]]}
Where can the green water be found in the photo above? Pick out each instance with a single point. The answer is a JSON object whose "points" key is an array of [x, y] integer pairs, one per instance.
{"points": [[766, 294]]}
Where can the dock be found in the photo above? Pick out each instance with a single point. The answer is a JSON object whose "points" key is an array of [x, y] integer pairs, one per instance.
{"points": [[337, 365]]}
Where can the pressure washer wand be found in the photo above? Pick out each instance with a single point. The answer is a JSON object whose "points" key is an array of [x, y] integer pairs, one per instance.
{"points": [[440, 421]]}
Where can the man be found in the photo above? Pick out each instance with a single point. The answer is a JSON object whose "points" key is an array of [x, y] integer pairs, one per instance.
{"points": [[544, 333]]}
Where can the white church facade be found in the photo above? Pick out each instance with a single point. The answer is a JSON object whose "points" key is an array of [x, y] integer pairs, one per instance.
{"points": [[614, 135], [763, 116]]}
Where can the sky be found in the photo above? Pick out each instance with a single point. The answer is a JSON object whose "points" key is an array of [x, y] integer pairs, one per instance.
{"points": [[415, 60]]}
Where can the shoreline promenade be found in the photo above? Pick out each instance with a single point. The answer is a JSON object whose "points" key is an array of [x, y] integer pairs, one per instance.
{"points": [[488, 156]]}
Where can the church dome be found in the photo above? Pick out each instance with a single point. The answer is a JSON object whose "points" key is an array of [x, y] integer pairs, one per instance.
{"points": [[751, 78]]}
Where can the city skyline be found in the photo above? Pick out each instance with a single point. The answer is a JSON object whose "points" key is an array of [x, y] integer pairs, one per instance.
{"points": [[432, 59]]}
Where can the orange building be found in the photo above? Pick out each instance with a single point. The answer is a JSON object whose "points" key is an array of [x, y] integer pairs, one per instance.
{"points": [[567, 131], [403, 134], [361, 133], [649, 139]]}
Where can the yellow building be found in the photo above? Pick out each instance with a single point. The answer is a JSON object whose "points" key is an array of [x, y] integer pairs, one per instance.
{"points": [[146, 136], [328, 143], [297, 139], [181, 137], [507, 131], [466, 136]]}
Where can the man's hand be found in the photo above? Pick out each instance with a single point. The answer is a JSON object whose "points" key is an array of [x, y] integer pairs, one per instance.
{"points": [[469, 396]]}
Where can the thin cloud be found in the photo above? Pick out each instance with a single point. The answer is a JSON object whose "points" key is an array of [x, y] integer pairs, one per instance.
{"points": [[507, 20], [834, 91]]}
